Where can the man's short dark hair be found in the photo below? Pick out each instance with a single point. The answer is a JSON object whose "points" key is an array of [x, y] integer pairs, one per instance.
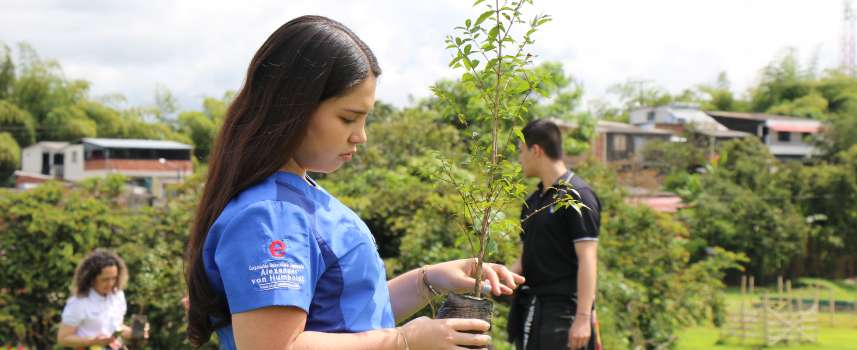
{"points": [[546, 134]]}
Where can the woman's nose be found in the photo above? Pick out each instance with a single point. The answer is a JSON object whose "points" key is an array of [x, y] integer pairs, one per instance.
{"points": [[358, 137]]}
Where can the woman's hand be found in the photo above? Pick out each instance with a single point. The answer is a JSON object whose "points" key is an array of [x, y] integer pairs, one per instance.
{"points": [[102, 340], [127, 332], [425, 333], [456, 276]]}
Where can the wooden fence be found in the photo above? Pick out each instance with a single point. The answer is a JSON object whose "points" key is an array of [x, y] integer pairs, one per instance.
{"points": [[774, 319]]}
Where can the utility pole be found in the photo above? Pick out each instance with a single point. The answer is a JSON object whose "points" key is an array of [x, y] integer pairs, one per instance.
{"points": [[849, 19]]}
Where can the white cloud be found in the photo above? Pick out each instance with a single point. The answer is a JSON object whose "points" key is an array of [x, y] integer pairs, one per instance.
{"points": [[202, 48]]}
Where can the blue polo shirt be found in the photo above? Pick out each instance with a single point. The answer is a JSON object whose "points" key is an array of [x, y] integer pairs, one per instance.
{"points": [[286, 242]]}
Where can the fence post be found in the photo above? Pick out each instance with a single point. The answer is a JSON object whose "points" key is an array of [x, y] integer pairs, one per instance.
{"points": [[742, 332], [765, 318], [832, 307], [793, 321], [752, 284]]}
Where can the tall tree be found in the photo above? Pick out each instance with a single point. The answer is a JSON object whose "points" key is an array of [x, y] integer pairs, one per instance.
{"points": [[10, 157], [17, 122]]}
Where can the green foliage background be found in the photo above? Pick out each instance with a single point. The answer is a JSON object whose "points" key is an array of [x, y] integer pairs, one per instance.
{"points": [[658, 273]]}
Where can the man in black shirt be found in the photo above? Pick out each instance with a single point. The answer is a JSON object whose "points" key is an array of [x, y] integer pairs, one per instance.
{"points": [[553, 310]]}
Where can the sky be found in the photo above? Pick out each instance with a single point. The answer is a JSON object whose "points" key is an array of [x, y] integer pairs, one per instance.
{"points": [[202, 48]]}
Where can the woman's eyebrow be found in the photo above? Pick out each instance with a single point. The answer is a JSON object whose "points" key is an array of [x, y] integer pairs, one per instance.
{"points": [[356, 111]]}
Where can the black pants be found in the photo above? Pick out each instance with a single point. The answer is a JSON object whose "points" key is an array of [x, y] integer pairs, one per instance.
{"points": [[546, 322]]}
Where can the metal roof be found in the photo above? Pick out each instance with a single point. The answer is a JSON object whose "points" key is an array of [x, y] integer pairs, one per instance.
{"points": [[135, 143], [724, 133], [749, 116], [617, 127]]}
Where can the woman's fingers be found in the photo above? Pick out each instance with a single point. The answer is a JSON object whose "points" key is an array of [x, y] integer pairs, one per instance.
{"points": [[461, 325], [467, 324], [495, 273], [492, 278], [471, 339], [512, 279]]}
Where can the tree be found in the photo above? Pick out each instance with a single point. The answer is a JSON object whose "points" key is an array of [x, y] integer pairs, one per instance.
{"points": [[10, 157], [557, 95], [108, 121], [7, 72], [719, 95], [782, 80], [46, 231], [744, 205], [18, 123], [672, 157], [651, 281], [40, 86], [201, 131], [826, 195], [68, 123], [634, 94]]}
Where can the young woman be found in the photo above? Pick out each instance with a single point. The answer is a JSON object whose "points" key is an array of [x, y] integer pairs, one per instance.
{"points": [[276, 262], [95, 311]]}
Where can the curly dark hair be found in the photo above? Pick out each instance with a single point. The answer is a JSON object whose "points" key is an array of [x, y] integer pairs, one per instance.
{"points": [[91, 267]]}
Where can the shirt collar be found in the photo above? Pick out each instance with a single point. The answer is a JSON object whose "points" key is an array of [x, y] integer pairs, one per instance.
{"points": [[566, 177], [95, 296], [304, 183]]}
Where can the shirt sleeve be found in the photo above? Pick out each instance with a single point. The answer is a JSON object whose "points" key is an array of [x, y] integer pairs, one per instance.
{"points": [[73, 313], [584, 226], [268, 256], [121, 308]]}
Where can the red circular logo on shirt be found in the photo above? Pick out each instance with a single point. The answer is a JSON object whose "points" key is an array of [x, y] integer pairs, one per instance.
{"points": [[277, 249]]}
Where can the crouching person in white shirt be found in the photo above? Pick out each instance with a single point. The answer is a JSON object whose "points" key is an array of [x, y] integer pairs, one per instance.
{"points": [[93, 315]]}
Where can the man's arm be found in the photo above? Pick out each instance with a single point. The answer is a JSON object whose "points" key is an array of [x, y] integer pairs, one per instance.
{"points": [[587, 257]]}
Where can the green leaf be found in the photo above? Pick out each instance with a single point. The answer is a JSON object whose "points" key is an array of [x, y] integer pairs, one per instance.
{"points": [[455, 60], [492, 34], [520, 135], [483, 17]]}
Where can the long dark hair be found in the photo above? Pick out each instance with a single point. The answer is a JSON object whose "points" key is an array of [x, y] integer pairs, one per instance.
{"points": [[305, 61], [91, 266]]}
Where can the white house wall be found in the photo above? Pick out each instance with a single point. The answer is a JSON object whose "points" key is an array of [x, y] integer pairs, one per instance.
{"points": [[794, 147], [73, 163], [31, 160]]}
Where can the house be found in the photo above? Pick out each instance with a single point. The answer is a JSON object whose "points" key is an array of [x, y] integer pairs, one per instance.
{"points": [[786, 137], [676, 117], [148, 163], [686, 119], [615, 141]]}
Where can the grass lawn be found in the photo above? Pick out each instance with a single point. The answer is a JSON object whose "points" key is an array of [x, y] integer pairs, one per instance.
{"points": [[840, 334], [839, 338]]}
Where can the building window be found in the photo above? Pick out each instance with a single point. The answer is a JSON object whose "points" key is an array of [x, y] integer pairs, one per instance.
{"points": [[784, 136], [651, 116], [620, 143]]}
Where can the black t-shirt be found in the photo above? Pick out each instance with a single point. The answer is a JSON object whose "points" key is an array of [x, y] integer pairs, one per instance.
{"points": [[549, 260]]}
